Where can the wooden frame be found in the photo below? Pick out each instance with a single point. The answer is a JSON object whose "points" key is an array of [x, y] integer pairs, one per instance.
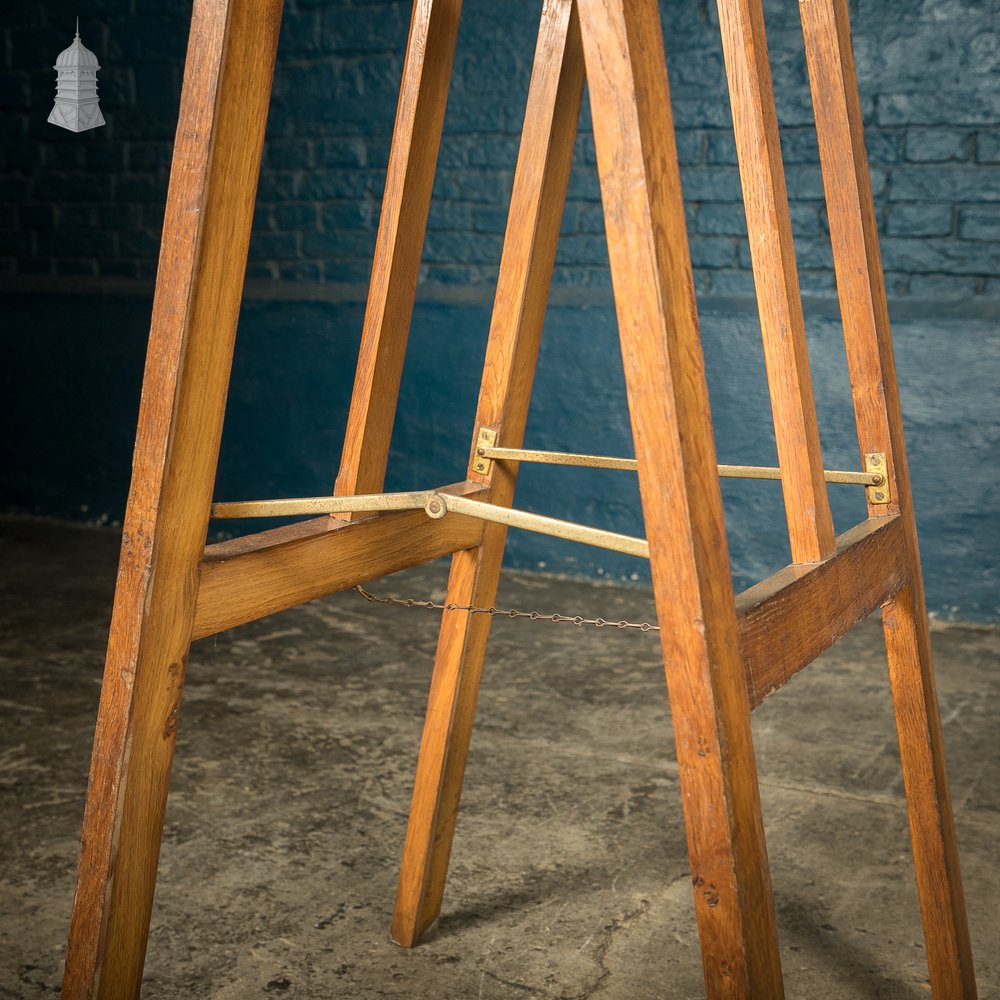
{"points": [[723, 654]]}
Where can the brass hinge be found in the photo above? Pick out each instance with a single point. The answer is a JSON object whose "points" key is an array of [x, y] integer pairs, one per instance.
{"points": [[878, 493], [485, 439]]}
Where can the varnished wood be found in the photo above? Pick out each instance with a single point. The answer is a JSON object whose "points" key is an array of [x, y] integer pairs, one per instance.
{"points": [[247, 578], [925, 778], [722, 654], [413, 156], [681, 499], [539, 193], [787, 620], [865, 316], [772, 252], [224, 100]]}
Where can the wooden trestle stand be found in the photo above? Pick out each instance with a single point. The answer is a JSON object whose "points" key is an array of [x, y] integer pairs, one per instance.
{"points": [[723, 653]]}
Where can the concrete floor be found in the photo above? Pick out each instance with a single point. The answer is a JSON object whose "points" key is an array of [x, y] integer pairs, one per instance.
{"points": [[295, 755]]}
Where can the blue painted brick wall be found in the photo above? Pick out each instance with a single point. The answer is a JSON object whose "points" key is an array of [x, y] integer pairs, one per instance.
{"points": [[80, 215], [91, 205]]}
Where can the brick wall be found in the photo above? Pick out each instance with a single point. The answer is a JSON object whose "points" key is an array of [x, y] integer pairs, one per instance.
{"points": [[91, 204]]}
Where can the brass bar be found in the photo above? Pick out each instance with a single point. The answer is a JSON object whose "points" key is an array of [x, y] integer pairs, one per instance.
{"points": [[243, 579], [322, 505], [768, 472], [558, 458], [440, 504], [629, 464]]}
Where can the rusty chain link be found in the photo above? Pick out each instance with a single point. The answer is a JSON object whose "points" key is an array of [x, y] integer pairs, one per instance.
{"points": [[535, 616]]}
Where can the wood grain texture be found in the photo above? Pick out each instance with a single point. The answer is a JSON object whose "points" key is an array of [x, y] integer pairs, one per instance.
{"points": [[787, 620], [258, 575], [227, 84], [865, 316], [772, 252], [413, 156], [681, 499], [539, 193]]}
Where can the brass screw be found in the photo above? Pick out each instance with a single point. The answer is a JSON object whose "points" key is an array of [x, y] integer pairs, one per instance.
{"points": [[880, 495], [435, 508]]}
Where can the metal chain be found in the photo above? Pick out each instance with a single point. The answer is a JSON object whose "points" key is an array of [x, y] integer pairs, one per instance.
{"points": [[535, 616]]}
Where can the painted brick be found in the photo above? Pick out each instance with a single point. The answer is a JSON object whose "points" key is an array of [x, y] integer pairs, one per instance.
{"points": [[455, 215], [341, 152], [945, 257], [295, 216], [721, 148], [76, 266], [969, 106], [78, 216], [927, 68], [988, 146], [299, 270], [923, 219], [942, 287], [275, 246], [494, 152], [287, 154], [722, 218], [689, 146], [713, 251], [961, 182], [817, 282], [582, 250], [320, 246], [927, 145], [981, 223], [466, 248], [488, 219], [732, 282], [583, 217], [346, 270], [799, 146], [883, 146], [708, 184]]}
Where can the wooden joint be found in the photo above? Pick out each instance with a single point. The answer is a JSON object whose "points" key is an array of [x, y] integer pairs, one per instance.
{"points": [[247, 578], [787, 620]]}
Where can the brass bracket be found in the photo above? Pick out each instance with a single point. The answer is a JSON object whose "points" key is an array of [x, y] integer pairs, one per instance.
{"points": [[485, 439], [878, 493]]}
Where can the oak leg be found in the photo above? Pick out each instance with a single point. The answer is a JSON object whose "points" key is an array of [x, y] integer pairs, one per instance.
{"points": [[444, 744], [227, 85], [769, 227], [416, 138], [874, 387], [681, 497], [537, 203], [925, 778]]}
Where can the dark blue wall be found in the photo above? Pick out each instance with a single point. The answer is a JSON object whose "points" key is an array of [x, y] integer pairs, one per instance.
{"points": [[81, 217], [92, 204]]}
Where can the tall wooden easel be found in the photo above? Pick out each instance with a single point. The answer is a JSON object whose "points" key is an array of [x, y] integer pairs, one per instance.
{"points": [[723, 653]]}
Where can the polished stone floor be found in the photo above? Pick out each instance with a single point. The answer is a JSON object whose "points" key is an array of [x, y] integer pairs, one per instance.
{"points": [[295, 754]]}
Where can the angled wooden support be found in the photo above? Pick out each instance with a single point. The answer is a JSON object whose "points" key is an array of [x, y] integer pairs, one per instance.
{"points": [[723, 654], [787, 620], [247, 578], [865, 316], [681, 498], [772, 252], [539, 193], [413, 155], [206, 231]]}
